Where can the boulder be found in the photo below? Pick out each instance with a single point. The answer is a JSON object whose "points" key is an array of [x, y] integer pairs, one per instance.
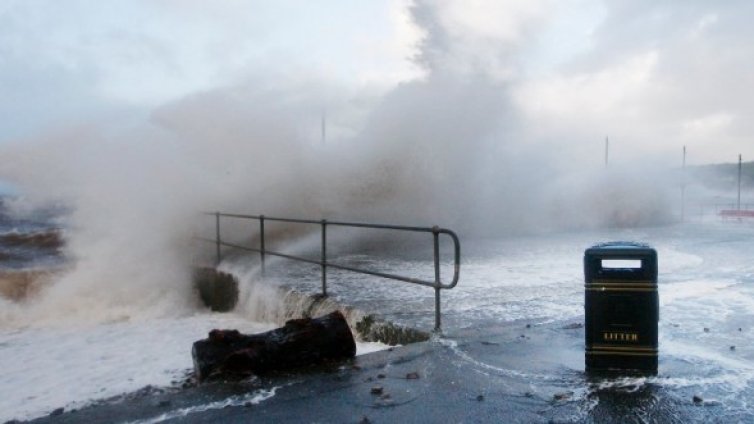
{"points": [[301, 342]]}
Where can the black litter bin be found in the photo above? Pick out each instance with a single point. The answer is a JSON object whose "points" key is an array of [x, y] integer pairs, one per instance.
{"points": [[622, 307]]}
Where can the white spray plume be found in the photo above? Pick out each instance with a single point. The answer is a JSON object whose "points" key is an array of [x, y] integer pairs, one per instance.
{"points": [[450, 148]]}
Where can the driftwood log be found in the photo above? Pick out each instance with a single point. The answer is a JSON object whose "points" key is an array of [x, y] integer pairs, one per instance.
{"points": [[301, 342]]}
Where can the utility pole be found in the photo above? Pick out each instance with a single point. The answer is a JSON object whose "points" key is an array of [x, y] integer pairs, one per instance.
{"points": [[683, 185], [738, 205], [324, 126]]}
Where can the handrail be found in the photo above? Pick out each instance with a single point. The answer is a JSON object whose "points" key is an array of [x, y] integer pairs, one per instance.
{"points": [[436, 231]]}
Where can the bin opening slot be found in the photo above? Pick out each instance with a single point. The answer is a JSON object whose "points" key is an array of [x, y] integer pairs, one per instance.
{"points": [[621, 263]]}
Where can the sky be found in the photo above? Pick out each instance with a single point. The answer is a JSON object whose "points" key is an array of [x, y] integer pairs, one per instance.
{"points": [[66, 62], [653, 76]]}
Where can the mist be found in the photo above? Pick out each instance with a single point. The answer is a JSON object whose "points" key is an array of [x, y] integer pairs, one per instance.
{"points": [[462, 144]]}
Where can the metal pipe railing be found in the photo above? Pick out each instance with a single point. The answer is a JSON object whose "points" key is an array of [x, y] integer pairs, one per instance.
{"points": [[437, 284]]}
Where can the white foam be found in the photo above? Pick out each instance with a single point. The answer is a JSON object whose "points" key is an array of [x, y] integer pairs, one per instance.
{"points": [[252, 398], [50, 367], [691, 289]]}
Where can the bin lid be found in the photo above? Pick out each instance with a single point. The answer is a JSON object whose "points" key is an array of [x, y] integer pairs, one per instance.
{"points": [[621, 249]]}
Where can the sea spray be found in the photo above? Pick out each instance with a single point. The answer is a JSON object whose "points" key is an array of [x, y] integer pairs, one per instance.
{"points": [[447, 147]]}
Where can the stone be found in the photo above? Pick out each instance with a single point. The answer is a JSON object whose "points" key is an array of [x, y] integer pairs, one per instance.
{"points": [[218, 290], [574, 326], [301, 342], [562, 396]]}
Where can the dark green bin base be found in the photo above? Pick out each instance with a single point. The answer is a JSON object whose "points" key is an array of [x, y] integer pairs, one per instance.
{"points": [[615, 362]]}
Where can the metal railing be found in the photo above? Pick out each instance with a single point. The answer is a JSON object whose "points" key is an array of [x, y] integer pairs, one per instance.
{"points": [[437, 283]]}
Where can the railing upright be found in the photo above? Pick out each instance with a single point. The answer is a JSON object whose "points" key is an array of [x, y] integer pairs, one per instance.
{"points": [[436, 237], [261, 242], [217, 237], [324, 257]]}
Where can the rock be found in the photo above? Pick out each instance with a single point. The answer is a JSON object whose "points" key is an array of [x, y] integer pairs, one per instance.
{"points": [[574, 326], [376, 390], [732, 348], [57, 412], [163, 404], [706, 330], [562, 396], [380, 376], [218, 290], [301, 342], [372, 329], [412, 376], [147, 390], [528, 325], [22, 284], [480, 398], [697, 399]]}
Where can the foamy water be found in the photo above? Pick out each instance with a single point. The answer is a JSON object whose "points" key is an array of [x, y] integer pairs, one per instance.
{"points": [[73, 365], [706, 288]]}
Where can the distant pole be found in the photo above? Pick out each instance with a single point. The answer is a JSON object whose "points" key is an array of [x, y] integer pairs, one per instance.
{"points": [[683, 185], [739, 183], [607, 149], [324, 127]]}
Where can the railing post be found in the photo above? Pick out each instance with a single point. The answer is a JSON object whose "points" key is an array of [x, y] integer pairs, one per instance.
{"points": [[217, 237], [436, 237], [261, 241], [324, 257]]}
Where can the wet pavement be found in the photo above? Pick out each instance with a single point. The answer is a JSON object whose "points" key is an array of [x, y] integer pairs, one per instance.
{"points": [[520, 372]]}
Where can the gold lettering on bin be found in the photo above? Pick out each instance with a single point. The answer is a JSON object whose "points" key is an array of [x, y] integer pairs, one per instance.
{"points": [[620, 337]]}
